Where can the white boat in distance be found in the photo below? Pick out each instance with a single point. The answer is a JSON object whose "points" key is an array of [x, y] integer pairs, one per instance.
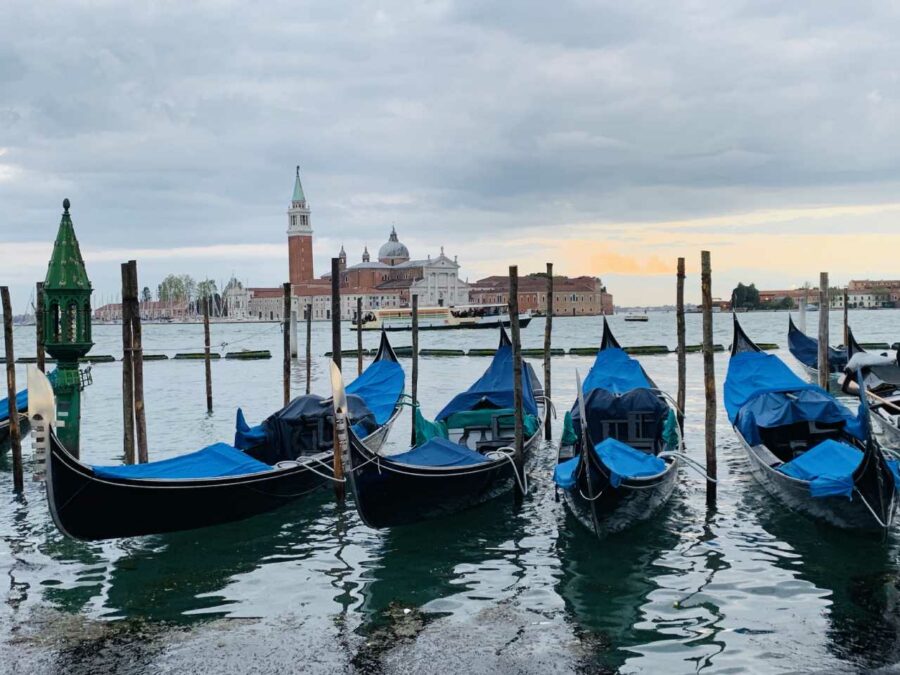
{"points": [[441, 318], [637, 317]]}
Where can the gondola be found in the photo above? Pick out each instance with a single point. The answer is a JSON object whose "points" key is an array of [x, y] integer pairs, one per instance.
{"points": [[881, 377], [462, 459], [268, 466], [804, 447], [633, 431], [806, 350]]}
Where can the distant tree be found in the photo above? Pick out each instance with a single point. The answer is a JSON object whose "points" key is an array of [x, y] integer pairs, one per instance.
{"points": [[146, 295], [206, 288], [745, 296], [171, 289]]}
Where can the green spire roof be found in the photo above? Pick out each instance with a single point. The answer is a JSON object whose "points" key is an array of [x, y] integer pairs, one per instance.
{"points": [[298, 189], [66, 269]]}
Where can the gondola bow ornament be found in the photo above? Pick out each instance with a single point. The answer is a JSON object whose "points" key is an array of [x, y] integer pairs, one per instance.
{"points": [[42, 415]]}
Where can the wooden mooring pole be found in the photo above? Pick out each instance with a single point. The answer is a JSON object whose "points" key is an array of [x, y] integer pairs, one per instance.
{"points": [[15, 435], [286, 343], [846, 317], [206, 359], [709, 374], [336, 357], [137, 365], [548, 330], [415, 365], [294, 347], [679, 330], [517, 373], [823, 330], [127, 374], [39, 326], [359, 347], [308, 347]]}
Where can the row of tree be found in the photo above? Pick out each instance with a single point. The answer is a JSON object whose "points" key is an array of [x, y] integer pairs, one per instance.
{"points": [[183, 288], [747, 297]]}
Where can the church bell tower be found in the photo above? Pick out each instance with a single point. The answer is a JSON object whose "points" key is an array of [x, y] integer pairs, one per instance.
{"points": [[300, 254]]}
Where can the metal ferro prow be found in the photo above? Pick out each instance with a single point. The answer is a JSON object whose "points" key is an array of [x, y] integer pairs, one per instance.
{"points": [[42, 415], [339, 403]]}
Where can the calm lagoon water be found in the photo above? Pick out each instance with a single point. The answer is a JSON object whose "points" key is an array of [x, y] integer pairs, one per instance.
{"points": [[744, 587]]}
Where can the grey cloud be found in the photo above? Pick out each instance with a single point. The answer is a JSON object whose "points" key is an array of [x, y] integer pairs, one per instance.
{"points": [[180, 124]]}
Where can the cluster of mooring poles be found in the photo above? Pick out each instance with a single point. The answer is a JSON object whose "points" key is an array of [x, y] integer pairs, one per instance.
{"points": [[63, 328]]}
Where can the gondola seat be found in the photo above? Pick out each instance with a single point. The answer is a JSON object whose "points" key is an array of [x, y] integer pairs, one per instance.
{"points": [[214, 461], [828, 467], [439, 452]]}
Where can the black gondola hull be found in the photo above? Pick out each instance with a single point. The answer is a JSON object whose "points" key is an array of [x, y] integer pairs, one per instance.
{"points": [[85, 506], [388, 493], [615, 509], [849, 514]]}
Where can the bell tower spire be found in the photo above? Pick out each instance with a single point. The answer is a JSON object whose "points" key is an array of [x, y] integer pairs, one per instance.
{"points": [[300, 259]]}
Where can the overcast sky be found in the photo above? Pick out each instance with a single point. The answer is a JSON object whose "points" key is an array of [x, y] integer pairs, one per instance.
{"points": [[608, 137]]}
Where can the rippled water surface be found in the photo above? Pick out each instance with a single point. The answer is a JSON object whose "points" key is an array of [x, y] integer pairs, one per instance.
{"points": [[743, 587]]}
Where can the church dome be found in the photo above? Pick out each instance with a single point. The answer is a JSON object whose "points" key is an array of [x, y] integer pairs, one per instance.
{"points": [[393, 251]]}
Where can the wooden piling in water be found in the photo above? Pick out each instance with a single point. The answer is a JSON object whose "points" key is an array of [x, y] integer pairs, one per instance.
{"points": [[823, 330], [286, 343], [15, 434], [415, 365], [336, 357], [127, 374], [709, 374], [548, 353], [137, 365], [39, 326], [680, 332], [846, 318], [308, 347], [294, 347], [206, 360], [359, 347], [517, 370]]}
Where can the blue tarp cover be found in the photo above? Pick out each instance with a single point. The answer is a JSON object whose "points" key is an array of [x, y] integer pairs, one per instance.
{"points": [[622, 460], [380, 385], [828, 467], [439, 452], [776, 409], [754, 373], [564, 473], [494, 388], [21, 405], [214, 461], [615, 371], [806, 350]]}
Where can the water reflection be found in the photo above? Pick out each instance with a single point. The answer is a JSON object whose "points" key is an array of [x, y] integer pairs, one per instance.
{"points": [[858, 572], [416, 565], [605, 583], [182, 577]]}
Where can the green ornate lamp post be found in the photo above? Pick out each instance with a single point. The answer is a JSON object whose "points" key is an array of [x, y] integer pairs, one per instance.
{"points": [[67, 326]]}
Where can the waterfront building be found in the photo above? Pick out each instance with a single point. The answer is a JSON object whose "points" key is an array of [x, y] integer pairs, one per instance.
{"points": [[578, 296], [389, 281]]}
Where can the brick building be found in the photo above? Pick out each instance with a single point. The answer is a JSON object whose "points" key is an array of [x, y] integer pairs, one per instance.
{"points": [[578, 296]]}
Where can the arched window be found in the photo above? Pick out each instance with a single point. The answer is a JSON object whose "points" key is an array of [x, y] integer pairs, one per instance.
{"points": [[71, 326], [54, 321]]}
